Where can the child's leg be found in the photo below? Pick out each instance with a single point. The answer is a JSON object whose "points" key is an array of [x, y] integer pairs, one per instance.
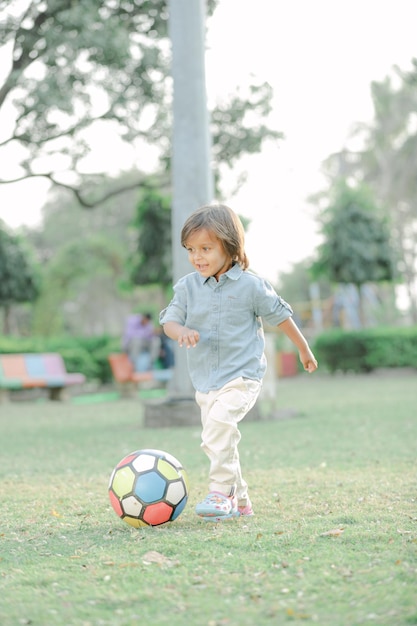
{"points": [[221, 412]]}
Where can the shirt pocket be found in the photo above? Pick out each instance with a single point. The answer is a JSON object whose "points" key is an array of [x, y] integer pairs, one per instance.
{"points": [[238, 309]]}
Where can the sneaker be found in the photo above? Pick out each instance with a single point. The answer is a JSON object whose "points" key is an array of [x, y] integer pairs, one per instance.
{"points": [[217, 507], [246, 511]]}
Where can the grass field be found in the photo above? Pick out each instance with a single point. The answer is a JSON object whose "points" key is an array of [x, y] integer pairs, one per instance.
{"points": [[333, 542]]}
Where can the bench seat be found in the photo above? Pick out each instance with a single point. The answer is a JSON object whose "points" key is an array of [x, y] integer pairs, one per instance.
{"points": [[30, 371], [128, 380]]}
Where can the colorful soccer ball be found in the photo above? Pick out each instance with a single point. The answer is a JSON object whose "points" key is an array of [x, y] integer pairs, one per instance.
{"points": [[148, 488]]}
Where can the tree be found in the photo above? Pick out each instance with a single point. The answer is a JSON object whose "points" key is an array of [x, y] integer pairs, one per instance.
{"points": [[84, 254], [64, 220], [18, 280], [81, 67], [306, 296], [80, 292], [385, 161], [356, 248], [151, 262]]}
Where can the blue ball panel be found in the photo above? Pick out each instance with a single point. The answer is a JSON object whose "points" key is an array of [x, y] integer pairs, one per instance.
{"points": [[150, 487], [179, 508]]}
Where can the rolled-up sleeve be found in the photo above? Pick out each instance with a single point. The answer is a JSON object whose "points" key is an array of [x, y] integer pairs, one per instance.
{"points": [[176, 311], [270, 305]]}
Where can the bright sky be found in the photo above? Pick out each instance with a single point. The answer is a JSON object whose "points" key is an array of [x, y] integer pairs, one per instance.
{"points": [[320, 58]]}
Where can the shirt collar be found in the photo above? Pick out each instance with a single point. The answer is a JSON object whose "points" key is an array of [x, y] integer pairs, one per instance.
{"points": [[234, 273]]}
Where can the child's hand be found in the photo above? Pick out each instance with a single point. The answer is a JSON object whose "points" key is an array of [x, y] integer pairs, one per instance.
{"points": [[308, 360], [188, 337]]}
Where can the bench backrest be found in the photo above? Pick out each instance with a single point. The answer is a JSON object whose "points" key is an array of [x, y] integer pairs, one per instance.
{"points": [[13, 366], [45, 365], [22, 366], [121, 367]]}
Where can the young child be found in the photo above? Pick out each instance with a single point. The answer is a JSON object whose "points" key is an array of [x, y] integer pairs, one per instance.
{"points": [[216, 311]]}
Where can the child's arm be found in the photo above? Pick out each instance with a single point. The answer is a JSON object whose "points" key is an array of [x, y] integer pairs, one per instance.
{"points": [[185, 336], [307, 358]]}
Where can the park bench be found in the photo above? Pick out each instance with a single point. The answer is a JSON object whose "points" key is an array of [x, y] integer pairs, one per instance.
{"points": [[31, 371], [128, 380]]}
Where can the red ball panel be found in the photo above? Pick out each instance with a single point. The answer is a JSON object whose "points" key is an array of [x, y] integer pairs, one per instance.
{"points": [[158, 513], [115, 504]]}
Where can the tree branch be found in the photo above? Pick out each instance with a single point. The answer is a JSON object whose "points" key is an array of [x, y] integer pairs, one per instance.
{"points": [[77, 191], [69, 132]]}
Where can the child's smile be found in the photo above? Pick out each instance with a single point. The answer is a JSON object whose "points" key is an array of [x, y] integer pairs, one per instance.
{"points": [[207, 254]]}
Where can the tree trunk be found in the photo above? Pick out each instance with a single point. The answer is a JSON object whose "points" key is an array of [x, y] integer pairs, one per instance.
{"points": [[192, 177], [361, 307], [6, 319]]}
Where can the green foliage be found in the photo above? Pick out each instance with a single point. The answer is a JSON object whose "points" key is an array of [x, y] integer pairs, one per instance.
{"points": [[99, 349], [356, 247], [295, 286], [84, 254], [82, 67], [366, 350], [152, 260], [235, 126], [64, 220], [77, 283], [19, 279], [385, 162], [114, 50], [78, 69], [338, 350]]}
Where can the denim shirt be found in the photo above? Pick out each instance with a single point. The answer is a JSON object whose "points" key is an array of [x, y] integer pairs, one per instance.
{"points": [[227, 314]]}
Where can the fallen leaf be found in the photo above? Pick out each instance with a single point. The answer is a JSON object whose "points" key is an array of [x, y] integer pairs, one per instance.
{"points": [[335, 532], [156, 557], [296, 615]]}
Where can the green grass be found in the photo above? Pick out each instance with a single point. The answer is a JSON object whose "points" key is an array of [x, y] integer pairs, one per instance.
{"points": [[347, 461]]}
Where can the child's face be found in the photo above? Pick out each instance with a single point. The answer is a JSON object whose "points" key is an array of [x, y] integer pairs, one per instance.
{"points": [[206, 254]]}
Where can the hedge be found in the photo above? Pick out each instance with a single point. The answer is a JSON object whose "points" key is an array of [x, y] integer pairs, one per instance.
{"points": [[336, 350], [366, 350]]}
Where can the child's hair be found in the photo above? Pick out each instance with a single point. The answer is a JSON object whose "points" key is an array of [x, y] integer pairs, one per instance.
{"points": [[226, 226]]}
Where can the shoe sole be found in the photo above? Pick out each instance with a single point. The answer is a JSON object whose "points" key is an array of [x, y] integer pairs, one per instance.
{"points": [[219, 518]]}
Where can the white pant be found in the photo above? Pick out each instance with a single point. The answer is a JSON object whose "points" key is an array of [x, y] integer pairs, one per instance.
{"points": [[221, 412]]}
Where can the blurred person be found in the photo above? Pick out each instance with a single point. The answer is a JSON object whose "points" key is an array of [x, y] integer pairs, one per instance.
{"points": [[141, 342]]}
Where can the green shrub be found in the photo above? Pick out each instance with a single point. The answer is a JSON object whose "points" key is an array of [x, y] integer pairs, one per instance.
{"points": [[366, 350]]}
